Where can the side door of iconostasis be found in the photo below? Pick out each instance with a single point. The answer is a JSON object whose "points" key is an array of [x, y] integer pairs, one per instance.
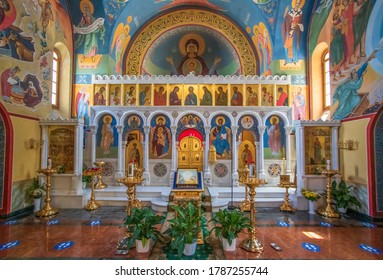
{"points": [[133, 136], [107, 146], [247, 136]]}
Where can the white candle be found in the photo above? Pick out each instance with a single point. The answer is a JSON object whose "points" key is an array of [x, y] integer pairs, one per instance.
{"points": [[251, 170], [131, 169], [49, 162], [328, 164]]}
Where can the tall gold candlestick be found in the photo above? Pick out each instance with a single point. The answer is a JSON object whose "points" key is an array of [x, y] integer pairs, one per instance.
{"points": [[328, 211], [285, 183], [252, 244], [47, 209], [92, 204]]}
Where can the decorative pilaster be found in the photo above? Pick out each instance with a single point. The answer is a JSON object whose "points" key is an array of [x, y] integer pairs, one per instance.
{"points": [[257, 157], [261, 130], [300, 151], [93, 129], [44, 150], [288, 129], [123, 152], [173, 129], [146, 174], [207, 173], [334, 151], [234, 159], [119, 172]]}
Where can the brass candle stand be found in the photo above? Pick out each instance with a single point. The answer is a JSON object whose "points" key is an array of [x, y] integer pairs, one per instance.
{"points": [[136, 203], [252, 244], [244, 175], [100, 184], [94, 171], [285, 183], [131, 183], [47, 209], [329, 211]]}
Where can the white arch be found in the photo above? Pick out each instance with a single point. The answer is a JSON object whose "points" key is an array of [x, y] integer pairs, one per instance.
{"points": [[152, 114], [282, 115], [103, 113], [232, 120], [190, 112], [128, 113]]}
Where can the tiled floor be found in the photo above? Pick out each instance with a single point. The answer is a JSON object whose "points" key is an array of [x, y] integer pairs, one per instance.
{"points": [[79, 234]]}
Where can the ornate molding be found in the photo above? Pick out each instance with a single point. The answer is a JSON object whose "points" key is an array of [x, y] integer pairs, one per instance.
{"points": [[191, 78], [139, 46]]}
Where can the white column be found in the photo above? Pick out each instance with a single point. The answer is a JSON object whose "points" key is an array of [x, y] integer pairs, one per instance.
{"points": [[300, 149], [123, 154], [174, 154], [234, 159], [119, 172], [146, 174], [261, 130], [93, 129], [207, 173], [174, 148], [44, 150], [258, 157], [334, 147], [78, 150], [287, 150]]}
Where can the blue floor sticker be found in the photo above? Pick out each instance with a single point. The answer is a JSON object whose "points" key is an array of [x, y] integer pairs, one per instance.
{"points": [[95, 223], [324, 224], [9, 245], [283, 224], [311, 247], [53, 222], [365, 224], [11, 222], [370, 249], [64, 245]]}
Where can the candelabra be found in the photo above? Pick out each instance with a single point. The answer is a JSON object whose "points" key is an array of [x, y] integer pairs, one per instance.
{"points": [[130, 182], [100, 184], [244, 175], [47, 209], [329, 211], [92, 204], [252, 244], [285, 183]]}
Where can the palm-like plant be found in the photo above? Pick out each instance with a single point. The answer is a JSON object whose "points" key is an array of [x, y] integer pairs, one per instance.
{"points": [[229, 224], [142, 224], [184, 227], [343, 196]]}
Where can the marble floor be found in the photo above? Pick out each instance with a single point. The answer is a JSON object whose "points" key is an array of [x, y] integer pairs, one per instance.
{"points": [[79, 234]]}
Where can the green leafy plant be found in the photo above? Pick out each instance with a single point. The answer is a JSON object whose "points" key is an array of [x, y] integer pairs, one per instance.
{"points": [[35, 189], [310, 195], [342, 195], [184, 227], [85, 178], [229, 224], [142, 224]]}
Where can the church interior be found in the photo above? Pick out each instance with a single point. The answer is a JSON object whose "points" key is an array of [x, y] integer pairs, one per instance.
{"points": [[115, 114]]}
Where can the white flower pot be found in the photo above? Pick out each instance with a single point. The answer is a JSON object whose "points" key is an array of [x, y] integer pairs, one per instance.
{"points": [[312, 207], [37, 204], [190, 248], [143, 249], [226, 246], [342, 210]]}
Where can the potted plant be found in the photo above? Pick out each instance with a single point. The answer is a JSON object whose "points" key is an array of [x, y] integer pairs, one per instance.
{"points": [[342, 197], [142, 225], [36, 190], [184, 229], [312, 197], [229, 225]]}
